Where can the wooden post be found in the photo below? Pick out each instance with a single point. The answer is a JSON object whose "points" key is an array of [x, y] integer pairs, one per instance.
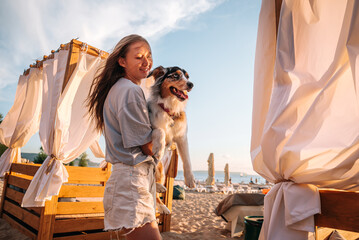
{"points": [[74, 53], [47, 219], [171, 174], [278, 6], [3, 193]]}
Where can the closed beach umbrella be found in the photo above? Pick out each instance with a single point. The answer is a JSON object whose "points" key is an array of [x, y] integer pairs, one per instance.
{"points": [[226, 175], [210, 179]]}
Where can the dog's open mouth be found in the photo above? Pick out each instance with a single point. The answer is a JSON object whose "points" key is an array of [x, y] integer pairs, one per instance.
{"points": [[179, 94]]}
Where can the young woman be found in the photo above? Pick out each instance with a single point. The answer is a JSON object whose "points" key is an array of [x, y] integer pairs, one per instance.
{"points": [[117, 104]]}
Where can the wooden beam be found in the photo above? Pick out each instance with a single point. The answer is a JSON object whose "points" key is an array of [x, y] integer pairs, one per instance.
{"points": [[90, 49], [87, 175], [339, 210], [78, 225], [75, 43], [79, 207], [74, 54], [72, 60], [23, 215], [92, 236], [21, 181], [278, 6], [81, 191], [14, 195], [168, 198], [19, 227], [47, 219], [25, 168], [3, 193]]}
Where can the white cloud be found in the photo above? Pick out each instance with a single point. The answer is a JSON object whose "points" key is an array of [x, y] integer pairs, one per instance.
{"points": [[31, 29], [226, 156]]}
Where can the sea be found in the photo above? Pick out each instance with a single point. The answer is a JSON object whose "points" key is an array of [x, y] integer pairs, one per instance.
{"points": [[236, 177]]}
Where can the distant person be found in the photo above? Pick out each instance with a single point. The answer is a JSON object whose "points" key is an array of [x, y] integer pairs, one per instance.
{"points": [[118, 105], [251, 181]]}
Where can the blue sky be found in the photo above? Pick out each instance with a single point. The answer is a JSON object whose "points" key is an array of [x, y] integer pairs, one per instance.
{"points": [[214, 40]]}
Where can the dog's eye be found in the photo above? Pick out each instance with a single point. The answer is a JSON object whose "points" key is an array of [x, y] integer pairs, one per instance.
{"points": [[176, 76]]}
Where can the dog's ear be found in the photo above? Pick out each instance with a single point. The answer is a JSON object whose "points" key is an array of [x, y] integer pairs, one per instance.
{"points": [[157, 72]]}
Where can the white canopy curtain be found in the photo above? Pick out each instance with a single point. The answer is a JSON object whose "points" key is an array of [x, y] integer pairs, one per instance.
{"points": [[22, 121], [54, 73], [73, 133], [305, 131]]}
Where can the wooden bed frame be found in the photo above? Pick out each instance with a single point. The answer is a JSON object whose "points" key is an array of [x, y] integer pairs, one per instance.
{"points": [[340, 210], [68, 220]]}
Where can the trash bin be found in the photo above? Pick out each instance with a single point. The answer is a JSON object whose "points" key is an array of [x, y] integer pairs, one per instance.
{"points": [[252, 227], [178, 192]]}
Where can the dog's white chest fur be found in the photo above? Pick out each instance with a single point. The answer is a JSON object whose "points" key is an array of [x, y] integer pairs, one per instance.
{"points": [[174, 126]]}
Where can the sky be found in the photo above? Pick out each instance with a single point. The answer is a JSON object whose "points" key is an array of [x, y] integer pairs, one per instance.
{"points": [[213, 40]]}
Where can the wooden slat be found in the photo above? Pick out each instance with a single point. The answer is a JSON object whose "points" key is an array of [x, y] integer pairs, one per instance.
{"points": [[23, 215], [78, 225], [87, 175], [79, 207], [339, 209], [47, 223], [92, 236], [81, 191], [19, 227], [25, 168], [21, 181], [14, 195], [18, 196]]}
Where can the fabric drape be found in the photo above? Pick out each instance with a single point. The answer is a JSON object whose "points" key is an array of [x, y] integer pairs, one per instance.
{"points": [[22, 121], [73, 133], [54, 73], [305, 109]]}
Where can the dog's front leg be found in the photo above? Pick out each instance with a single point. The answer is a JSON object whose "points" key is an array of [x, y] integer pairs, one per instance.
{"points": [[182, 146], [159, 143]]}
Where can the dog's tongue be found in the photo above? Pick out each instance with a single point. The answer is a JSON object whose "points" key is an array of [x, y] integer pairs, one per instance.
{"points": [[183, 95]]}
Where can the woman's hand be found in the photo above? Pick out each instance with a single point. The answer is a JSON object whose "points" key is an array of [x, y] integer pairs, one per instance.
{"points": [[147, 149]]}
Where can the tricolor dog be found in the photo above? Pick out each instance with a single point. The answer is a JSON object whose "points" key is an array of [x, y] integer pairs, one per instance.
{"points": [[166, 104]]}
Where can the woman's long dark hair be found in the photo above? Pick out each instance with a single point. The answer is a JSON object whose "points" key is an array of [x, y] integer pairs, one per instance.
{"points": [[107, 76]]}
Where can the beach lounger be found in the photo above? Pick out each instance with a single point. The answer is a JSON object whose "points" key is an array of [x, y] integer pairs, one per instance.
{"points": [[200, 188], [235, 207], [228, 189]]}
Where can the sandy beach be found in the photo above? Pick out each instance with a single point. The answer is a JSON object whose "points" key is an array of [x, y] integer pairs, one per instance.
{"points": [[192, 218]]}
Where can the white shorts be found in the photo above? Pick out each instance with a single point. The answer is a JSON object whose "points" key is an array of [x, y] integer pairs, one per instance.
{"points": [[129, 196]]}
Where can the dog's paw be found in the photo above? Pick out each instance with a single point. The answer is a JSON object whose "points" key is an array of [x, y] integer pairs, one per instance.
{"points": [[159, 154], [163, 209], [190, 181], [160, 188]]}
